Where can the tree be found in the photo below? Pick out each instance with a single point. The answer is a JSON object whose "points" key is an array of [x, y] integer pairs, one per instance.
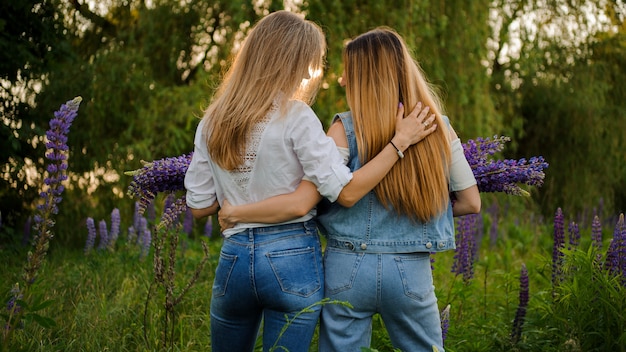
{"points": [[562, 95], [31, 40], [145, 72]]}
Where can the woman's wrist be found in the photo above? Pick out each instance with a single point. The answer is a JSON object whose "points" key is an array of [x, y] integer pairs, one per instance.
{"points": [[398, 144]]}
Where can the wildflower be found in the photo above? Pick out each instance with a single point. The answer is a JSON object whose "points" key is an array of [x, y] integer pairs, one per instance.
{"points": [[466, 246], [56, 155], [171, 214], [188, 222], [615, 261], [502, 175], [115, 228], [574, 235], [523, 304], [161, 175], [145, 238], [596, 233], [91, 235], [13, 307], [445, 323], [559, 245], [104, 236]]}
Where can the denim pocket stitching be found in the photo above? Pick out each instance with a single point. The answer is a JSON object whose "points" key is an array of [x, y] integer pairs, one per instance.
{"points": [[420, 290], [303, 289], [355, 268], [220, 282]]}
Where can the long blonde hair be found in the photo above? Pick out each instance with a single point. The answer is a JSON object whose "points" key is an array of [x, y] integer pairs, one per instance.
{"points": [[277, 56], [380, 73]]}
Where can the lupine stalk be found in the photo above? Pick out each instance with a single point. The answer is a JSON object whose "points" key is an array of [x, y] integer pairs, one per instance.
{"points": [[574, 235], [523, 304], [161, 175], [56, 168], [145, 237], [557, 249], [104, 235], [502, 175], [596, 233], [615, 261], [465, 252], [172, 212], [91, 235], [188, 222], [115, 228], [445, 323], [57, 155]]}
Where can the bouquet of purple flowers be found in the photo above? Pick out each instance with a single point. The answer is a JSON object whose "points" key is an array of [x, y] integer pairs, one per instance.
{"points": [[502, 175]]}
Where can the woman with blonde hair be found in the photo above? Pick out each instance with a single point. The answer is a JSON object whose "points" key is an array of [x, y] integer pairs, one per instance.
{"points": [[258, 139], [378, 247]]}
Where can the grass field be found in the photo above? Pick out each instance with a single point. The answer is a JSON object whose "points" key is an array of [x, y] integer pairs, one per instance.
{"points": [[109, 299]]}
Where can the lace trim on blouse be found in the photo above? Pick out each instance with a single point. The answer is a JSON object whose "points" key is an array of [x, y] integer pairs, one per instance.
{"points": [[241, 174]]}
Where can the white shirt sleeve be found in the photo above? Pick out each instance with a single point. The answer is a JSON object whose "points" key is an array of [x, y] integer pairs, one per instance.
{"points": [[461, 175], [321, 162], [199, 180]]}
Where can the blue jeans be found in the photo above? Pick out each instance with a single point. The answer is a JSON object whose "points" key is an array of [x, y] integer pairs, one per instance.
{"points": [[397, 286], [270, 274]]}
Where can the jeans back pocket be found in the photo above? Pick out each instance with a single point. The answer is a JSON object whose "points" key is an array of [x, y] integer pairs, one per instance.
{"points": [[297, 270]]}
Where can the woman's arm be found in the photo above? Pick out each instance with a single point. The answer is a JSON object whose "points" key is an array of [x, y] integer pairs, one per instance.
{"points": [[462, 181], [272, 210], [466, 202], [409, 130], [200, 213]]}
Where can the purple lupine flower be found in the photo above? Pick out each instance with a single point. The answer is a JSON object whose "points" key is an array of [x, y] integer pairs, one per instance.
{"points": [[172, 212], [167, 174], [559, 245], [115, 227], [91, 235], [104, 235], [13, 307], [502, 175], [134, 231], [57, 155], [208, 227], [188, 222], [145, 238], [523, 304], [464, 253], [596, 233], [445, 323], [615, 261], [574, 235]]}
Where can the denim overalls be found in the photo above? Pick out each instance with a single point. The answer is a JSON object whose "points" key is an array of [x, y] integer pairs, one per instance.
{"points": [[379, 262]]}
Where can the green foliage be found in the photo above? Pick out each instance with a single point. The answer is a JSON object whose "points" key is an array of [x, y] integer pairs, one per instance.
{"points": [[586, 312], [448, 40]]}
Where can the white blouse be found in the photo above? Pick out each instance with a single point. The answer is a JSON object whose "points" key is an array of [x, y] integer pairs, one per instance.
{"points": [[281, 151]]}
